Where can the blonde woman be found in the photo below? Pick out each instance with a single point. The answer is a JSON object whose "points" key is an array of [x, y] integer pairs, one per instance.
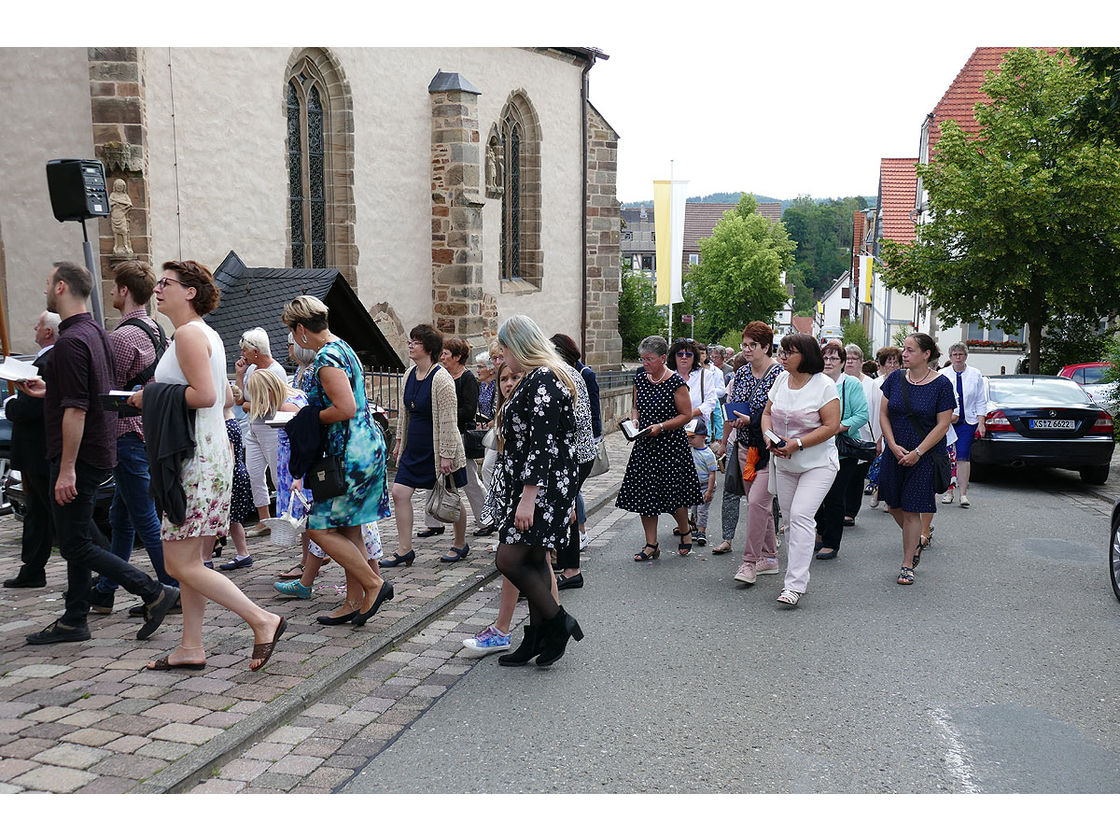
{"points": [[337, 390], [535, 485], [261, 440]]}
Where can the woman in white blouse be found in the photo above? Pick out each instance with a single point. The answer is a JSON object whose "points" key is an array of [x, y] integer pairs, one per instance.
{"points": [[804, 411], [703, 387]]}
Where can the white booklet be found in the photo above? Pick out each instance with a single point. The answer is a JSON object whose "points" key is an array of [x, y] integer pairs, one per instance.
{"points": [[16, 370], [631, 431], [280, 419]]}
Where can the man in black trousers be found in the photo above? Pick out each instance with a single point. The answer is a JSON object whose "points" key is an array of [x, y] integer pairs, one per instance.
{"points": [[29, 456], [82, 448]]}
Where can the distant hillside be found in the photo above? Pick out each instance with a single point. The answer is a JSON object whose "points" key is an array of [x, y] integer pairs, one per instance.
{"points": [[733, 198]]}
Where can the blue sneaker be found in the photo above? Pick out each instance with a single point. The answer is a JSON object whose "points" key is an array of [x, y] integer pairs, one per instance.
{"points": [[488, 641]]}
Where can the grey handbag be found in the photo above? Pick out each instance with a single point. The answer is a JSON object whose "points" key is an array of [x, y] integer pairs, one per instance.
{"points": [[443, 502], [602, 462]]}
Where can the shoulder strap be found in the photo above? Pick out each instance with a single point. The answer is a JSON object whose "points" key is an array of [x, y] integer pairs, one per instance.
{"points": [[159, 344]]}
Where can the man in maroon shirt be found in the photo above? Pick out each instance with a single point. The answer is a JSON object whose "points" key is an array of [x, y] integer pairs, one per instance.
{"points": [[81, 447]]}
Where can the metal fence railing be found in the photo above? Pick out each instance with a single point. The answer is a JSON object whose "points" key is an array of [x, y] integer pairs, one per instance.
{"points": [[383, 387], [609, 380]]}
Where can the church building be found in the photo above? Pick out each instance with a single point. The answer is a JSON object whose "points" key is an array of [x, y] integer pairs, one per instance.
{"points": [[456, 186]]}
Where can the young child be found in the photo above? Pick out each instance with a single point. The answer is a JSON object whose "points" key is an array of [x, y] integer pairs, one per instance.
{"points": [[706, 469]]}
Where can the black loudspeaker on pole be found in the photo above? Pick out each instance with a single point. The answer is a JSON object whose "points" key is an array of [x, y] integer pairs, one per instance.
{"points": [[78, 192]]}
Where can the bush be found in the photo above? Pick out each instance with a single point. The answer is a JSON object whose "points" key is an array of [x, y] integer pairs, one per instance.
{"points": [[854, 333], [1071, 339]]}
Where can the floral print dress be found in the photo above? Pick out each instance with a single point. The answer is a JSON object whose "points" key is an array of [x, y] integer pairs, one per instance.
{"points": [[208, 476], [360, 443], [538, 448]]}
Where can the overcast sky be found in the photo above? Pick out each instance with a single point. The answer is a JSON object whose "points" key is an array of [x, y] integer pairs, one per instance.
{"points": [[777, 98]]}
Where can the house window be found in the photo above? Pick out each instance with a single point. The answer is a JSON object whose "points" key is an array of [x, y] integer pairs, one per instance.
{"points": [[521, 261], [973, 332], [320, 150], [694, 259]]}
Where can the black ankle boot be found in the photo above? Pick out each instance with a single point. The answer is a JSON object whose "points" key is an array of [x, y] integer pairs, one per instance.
{"points": [[530, 647], [554, 637]]}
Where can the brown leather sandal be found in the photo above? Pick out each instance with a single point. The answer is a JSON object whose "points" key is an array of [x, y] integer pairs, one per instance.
{"points": [[263, 651]]}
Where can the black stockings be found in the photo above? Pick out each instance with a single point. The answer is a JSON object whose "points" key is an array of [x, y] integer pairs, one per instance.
{"points": [[528, 569]]}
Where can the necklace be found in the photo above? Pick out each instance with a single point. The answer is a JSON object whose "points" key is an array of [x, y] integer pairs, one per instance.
{"points": [[910, 378], [662, 378]]}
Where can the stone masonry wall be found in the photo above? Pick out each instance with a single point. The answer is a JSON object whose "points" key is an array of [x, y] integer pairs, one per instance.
{"points": [[603, 347]]}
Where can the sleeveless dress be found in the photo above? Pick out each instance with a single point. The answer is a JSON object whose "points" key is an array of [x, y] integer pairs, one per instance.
{"points": [[417, 466], [208, 476], [358, 441], [660, 476]]}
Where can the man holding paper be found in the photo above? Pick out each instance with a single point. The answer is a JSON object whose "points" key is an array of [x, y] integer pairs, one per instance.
{"points": [[81, 447], [29, 456]]}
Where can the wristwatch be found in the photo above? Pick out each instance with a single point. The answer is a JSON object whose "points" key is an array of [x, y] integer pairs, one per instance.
{"points": [[800, 445]]}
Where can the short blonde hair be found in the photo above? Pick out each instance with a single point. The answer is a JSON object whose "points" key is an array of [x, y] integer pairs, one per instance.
{"points": [[306, 310], [267, 392]]}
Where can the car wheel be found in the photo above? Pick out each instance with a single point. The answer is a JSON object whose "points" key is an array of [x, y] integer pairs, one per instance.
{"points": [[1114, 557], [1094, 475]]}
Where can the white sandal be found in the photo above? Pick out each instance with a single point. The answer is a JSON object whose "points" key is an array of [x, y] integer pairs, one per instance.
{"points": [[789, 597], [947, 499]]}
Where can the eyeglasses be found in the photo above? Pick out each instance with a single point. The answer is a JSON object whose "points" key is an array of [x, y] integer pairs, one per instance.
{"points": [[785, 354], [685, 353], [831, 357], [750, 345], [164, 282], [412, 342]]}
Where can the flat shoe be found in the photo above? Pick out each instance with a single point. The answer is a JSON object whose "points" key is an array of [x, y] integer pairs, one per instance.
{"points": [[830, 554], [722, 548], [486, 530], [164, 665], [429, 532], [263, 652], [573, 582], [332, 620], [294, 573]]}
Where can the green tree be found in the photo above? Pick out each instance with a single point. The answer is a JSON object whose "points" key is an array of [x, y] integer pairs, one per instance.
{"points": [[803, 299], [823, 233], [638, 313], [854, 333], [739, 276], [1026, 221], [1071, 339], [1096, 113]]}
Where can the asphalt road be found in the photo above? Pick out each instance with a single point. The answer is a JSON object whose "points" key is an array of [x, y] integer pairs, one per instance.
{"points": [[997, 672]]}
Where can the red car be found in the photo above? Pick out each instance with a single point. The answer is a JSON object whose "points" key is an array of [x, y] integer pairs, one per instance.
{"points": [[1089, 375]]}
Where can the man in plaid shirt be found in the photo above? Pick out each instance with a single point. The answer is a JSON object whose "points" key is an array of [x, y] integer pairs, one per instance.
{"points": [[134, 356]]}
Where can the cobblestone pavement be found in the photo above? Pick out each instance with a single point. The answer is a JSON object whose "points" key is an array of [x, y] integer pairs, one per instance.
{"points": [[85, 717]]}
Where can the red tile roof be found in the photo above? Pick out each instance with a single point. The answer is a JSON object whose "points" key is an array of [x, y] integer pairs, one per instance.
{"points": [[701, 219], [802, 324], [898, 184], [964, 92]]}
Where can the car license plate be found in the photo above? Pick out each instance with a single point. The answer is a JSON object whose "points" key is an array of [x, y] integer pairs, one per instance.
{"points": [[1053, 424]]}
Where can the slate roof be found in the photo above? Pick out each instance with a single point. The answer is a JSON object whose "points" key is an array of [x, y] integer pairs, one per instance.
{"points": [[964, 92], [771, 210], [700, 219], [255, 297], [898, 184]]}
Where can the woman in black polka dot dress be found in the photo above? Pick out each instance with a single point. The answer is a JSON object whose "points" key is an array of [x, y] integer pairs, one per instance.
{"points": [[660, 477]]}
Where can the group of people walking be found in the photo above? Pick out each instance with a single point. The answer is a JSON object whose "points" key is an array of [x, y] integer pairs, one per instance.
{"points": [[187, 476], [807, 430]]}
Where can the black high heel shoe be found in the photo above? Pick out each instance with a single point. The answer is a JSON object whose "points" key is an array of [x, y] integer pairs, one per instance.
{"points": [[398, 559], [386, 594], [332, 620], [530, 646], [554, 637]]}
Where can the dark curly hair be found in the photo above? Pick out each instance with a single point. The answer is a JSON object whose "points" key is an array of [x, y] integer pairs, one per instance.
{"points": [[684, 344]]}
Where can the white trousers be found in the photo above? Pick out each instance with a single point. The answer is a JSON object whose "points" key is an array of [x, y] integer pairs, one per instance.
{"points": [[261, 444], [800, 494]]}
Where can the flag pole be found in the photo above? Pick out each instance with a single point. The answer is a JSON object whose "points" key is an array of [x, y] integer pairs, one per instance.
{"points": [[670, 274]]}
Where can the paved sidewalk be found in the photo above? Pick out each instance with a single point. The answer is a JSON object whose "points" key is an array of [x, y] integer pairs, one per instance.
{"points": [[84, 717]]}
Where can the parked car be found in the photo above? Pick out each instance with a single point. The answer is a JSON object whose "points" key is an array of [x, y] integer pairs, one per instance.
{"points": [[1045, 421], [1089, 375], [1114, 551]]}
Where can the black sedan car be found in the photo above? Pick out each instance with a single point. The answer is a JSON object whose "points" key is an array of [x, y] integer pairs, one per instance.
{"points": [[1045, 421], [1114, 551]]}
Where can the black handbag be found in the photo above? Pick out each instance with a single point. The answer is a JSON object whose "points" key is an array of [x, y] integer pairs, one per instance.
{"points": [[939, 458], [326, 478], [473, 445], [849, 447]]}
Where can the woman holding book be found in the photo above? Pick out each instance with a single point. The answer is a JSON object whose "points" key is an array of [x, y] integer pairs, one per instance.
{"points": [[660, 477]]}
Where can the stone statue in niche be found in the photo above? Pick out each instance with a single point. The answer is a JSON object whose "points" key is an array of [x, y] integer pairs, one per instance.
{"points": [[495, 173], [119, 205]]}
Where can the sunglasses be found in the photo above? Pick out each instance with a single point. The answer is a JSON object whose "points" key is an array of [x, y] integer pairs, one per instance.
{"points": [[685, 353]]}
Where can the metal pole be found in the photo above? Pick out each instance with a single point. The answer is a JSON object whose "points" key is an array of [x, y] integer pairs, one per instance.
{"points": [[95, 295]]}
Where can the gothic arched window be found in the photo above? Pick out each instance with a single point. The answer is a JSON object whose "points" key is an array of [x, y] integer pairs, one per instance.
{"points": [[320, 144], [518, 133]]}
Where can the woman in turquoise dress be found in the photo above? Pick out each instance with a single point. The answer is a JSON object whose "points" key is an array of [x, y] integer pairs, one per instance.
{"points": [[338, 390]]}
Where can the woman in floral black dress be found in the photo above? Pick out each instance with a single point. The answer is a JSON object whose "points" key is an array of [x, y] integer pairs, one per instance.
{"points": [[660, 477], [535, 484]]}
